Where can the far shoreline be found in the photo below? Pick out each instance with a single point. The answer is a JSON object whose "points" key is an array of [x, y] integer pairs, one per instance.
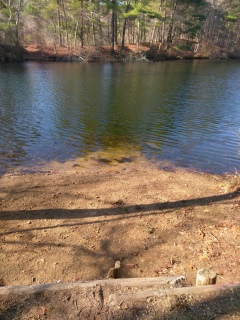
{"points": [[131, 53]]}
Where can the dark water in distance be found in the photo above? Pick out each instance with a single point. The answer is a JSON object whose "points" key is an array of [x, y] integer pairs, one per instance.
{"points": [[187, 112]]}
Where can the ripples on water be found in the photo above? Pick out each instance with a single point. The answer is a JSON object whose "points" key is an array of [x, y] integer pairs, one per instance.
{"points": [[184, 112]]}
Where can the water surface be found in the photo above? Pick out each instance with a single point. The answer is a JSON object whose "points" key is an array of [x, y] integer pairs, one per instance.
{"points": [[186, 112]]}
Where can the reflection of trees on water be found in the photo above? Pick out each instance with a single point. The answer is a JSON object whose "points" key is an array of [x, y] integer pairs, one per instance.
{"points": [[12, 116], [172, 110]]}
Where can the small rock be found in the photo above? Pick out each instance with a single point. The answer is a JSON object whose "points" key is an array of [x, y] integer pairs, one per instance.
{"points": [[2, 283], [119, 203]]}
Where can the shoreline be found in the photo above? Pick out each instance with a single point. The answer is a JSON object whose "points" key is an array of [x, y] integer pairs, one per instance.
{"points": [[145, 53], [101, 159]]}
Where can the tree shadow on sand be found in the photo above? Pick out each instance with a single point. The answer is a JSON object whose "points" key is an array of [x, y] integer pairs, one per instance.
{"points": [[100, 250], [116, 209]]}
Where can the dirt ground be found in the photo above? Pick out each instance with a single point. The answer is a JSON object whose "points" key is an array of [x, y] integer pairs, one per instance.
{"points": [[72, 221], [88, 53], [145, 52]]}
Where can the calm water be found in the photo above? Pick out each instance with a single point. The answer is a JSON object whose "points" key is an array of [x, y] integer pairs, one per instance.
{"points": [[184, 112]]}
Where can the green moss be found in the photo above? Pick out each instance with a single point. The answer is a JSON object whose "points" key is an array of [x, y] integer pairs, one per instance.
{"points": [[231, 18]]}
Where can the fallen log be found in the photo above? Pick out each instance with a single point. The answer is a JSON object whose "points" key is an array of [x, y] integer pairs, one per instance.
{"points": [[117, 298], [122, 282], [133, 298]]}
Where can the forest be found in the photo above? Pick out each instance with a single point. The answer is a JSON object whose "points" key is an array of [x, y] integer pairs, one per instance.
{"points": [[197, 28]]}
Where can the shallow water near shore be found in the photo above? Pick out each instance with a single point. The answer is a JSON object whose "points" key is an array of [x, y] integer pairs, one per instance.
{"points": [[184, 112]]}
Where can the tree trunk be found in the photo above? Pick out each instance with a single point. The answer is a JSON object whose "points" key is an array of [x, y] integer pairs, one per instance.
{"points": [[60, 42], [18, 12], [10, 13], [116, 29], [171, 25], [66, 23], [82, 26], [113, 26], [138, 33], [123, 33], [125, 25], [75, 34]]}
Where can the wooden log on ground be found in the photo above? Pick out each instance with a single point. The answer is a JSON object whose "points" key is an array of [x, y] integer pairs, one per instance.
{"points": [[124, 282], [117, 298], [151, 298]]}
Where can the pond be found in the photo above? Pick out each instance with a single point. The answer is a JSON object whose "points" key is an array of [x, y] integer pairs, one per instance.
{"points": [[184, 112]]}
